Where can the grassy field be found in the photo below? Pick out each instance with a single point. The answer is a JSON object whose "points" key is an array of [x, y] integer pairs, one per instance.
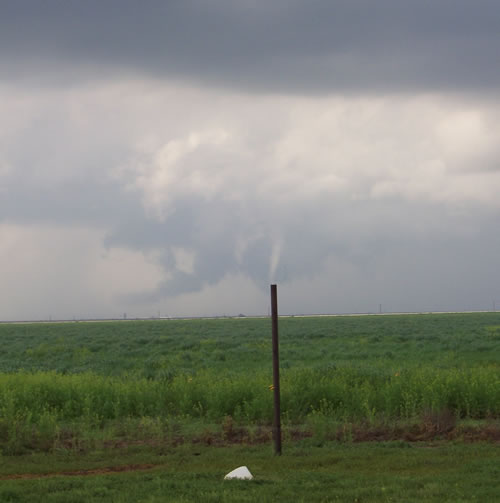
{"points": [[370, 472], [156, 349], [198, 390]]}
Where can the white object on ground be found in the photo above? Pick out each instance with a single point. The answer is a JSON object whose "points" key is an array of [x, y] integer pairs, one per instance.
{"points": [[242, 473]]}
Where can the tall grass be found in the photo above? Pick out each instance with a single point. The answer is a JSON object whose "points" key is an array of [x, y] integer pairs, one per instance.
{"points": [[345, 393], [56, 379], [41, 404]]}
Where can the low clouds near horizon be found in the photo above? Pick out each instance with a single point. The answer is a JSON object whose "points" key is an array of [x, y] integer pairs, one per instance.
{"points": [[186, 181]]}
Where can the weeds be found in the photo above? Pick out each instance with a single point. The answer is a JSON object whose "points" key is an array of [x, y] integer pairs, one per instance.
{"points": [[36, 408], [80, 384]]}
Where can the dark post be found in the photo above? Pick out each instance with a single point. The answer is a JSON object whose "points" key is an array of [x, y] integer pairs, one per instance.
{"points": [[276, 372]]}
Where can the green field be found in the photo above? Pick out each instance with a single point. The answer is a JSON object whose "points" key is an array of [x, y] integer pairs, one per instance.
{"points": [[166, 389], [369, 472], [156, 349]]}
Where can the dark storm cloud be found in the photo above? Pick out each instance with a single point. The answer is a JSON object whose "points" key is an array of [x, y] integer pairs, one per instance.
{"points": [[357, 194], [294, 46]]}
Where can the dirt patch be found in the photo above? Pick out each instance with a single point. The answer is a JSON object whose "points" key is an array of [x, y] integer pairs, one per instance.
{"points": [[81, 473], [427, 431], [424, 432], [432, 428]]}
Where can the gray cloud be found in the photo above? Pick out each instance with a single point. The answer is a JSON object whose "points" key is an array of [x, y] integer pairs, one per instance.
{"points": [[188, 153], [305, 47]]}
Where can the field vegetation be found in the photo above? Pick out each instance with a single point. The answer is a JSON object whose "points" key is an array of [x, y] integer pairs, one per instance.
{"points": [[80, 388], [155, 349], [367, 472]]}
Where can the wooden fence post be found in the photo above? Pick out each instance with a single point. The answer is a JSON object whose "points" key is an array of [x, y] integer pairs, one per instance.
{"points": [[276, 372]]}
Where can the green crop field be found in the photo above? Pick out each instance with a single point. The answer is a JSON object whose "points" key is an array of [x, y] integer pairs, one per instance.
{"points": [[154, 349], [170, 388]]}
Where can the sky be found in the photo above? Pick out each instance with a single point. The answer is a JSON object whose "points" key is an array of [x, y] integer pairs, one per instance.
{"points": [[176, 157]]}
